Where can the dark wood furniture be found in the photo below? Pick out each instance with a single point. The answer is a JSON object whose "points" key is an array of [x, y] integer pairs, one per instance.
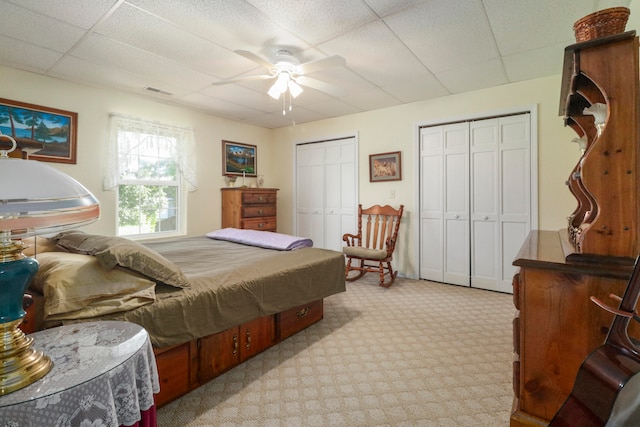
{"points": [[250, 208], [185, 367], [371, 249], [556, 325]]}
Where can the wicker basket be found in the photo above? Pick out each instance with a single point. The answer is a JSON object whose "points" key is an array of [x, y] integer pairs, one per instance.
{"points": [[606, 22]]}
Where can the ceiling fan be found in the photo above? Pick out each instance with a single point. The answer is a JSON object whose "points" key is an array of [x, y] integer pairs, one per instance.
{"points": [[290, 74]]}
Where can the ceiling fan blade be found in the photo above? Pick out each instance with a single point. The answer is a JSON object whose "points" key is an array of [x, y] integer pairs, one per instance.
{"points": [[255, 58], [244, 79], [320, 85], [321, 64]]}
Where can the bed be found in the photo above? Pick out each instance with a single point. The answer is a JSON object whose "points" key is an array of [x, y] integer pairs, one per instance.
{"points": [[207, 304]]}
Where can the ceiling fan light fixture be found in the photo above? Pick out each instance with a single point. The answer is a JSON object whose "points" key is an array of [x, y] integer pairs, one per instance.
{"points": [[280, 86], [294, 88]]}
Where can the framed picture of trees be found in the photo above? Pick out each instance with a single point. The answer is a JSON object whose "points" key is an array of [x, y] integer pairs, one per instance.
{"points": [[41, 133], [238, 159]]}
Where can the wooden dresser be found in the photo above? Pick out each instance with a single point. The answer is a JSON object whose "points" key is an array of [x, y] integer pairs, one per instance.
{"points": [[250, 208], [556, 325]]}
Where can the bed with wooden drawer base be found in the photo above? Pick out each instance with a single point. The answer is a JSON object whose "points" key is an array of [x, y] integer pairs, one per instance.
{"points": [[237, 301]]}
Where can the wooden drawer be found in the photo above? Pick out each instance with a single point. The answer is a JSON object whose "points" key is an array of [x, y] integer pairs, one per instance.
{"points": [[265, 224], [253, 211], [296, 319], [256, 336], [173, 372], [257, 198]]}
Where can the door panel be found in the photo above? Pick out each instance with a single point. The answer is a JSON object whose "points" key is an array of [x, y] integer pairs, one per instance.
{"points": [[326, 192], [475, 200]]}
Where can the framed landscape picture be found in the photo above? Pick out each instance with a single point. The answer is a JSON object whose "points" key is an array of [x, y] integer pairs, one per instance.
{"points": [[385, 167], [238, 159], [43, 133]]}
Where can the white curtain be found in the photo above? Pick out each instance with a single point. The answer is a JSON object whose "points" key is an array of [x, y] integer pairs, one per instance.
{"points": [[185, 149]]}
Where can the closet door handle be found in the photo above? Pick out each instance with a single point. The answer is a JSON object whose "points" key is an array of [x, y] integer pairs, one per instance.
{"points": [[485, 218]]}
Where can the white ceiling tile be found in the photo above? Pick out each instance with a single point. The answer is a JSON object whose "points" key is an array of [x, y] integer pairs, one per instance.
{"points": [[77, 70], [525, 25], [332, 108], [316, 21], [387, 7], [221, 107], [376, 54], [365, 100], [22, 24], [474, 77], [532, 64], [26, 56], [437, 29], [416, 90], [234, 24], [147, 32], [100, 50], [83, 14]]}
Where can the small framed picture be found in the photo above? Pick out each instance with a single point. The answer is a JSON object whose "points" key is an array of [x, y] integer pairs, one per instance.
{"points": [[41, 133], [385, 167], [239, 159]]}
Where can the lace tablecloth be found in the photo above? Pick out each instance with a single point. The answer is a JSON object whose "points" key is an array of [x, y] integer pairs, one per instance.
{"points": [[104, 374]]}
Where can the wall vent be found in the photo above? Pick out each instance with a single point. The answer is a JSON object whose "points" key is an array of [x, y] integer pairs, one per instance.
{"points": [[156, 90]]}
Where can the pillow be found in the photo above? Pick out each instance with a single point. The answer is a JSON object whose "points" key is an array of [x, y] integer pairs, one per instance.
{"points": [[75, 286], [112, 251]]}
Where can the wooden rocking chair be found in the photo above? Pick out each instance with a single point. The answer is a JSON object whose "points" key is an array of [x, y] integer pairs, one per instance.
{"points": [[373, 250]]}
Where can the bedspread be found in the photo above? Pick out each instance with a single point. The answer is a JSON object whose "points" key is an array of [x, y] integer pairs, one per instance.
{"points": [[231, 284]]}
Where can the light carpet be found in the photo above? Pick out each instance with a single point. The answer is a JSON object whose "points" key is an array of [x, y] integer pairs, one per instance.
{"points": [[415, 354]]}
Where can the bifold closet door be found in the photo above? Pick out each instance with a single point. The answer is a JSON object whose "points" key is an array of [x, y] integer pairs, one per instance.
{"points": [[326, 197], [475, 200], [500, 198], [444, 213]]}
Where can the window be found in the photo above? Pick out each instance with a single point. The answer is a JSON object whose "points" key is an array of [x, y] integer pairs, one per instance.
{"points": [[149, 166]]}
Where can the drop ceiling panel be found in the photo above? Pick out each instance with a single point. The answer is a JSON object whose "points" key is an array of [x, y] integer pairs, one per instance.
{"points": [[388, 7], [446, 34], [316, 21], [139, 29], [83, 14], [233, 24], [416, 90], [72, 68], [474, 77], [332, 108], [26, 55], [376, 54], [34, 28], [522, 26], [376, 97], [534, 63], [103, 51]]}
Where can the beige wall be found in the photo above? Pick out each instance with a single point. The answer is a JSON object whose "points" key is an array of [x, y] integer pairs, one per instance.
{"points": [[383, 130], [395, 129], [93, 107]]}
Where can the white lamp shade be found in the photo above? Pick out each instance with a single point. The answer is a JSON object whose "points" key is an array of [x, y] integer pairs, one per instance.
{"points": [[35, 197]]}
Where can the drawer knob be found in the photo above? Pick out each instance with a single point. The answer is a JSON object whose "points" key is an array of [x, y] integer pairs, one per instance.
{"points": [[261, 225], [261, 198], [303, 312], [260, 211]]}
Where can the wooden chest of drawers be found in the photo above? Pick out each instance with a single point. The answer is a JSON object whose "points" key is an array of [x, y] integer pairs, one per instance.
{"points": [[250, 208]]}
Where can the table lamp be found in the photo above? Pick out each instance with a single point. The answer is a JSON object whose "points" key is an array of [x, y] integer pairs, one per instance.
{"points": [[35, 198]]}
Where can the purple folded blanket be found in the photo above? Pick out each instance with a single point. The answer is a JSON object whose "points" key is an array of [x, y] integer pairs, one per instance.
{"points": [[262, 239]]}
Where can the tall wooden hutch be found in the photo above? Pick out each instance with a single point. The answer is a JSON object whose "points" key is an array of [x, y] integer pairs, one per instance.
{"points": [[556, 325]]}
